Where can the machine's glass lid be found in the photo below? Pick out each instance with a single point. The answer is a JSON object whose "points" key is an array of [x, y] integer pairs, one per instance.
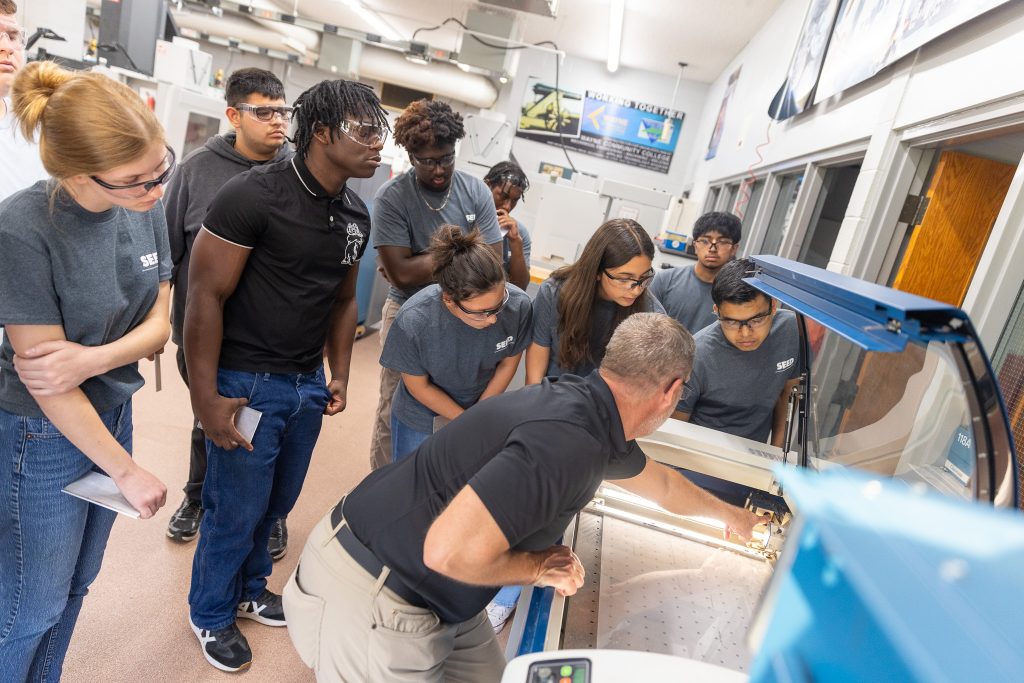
{"points": [[904, 415]]}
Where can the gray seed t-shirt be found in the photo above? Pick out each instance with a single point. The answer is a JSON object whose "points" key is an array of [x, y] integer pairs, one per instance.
{"points": [[95, 274], [685, 297], [545, 327], [735, 391], [426, 339], [401, 217]]}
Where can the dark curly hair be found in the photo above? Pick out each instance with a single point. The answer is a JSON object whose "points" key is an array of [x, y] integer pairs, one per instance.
{"points": [[327, 104], [425, 123]]}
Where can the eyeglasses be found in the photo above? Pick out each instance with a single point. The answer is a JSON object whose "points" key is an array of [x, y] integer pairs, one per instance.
{"points": [[724, 242], [265, 113], [753, 323], [14, 34], [146, 186], [484, 315], [631, 282], [444, 162], [366, 134]]}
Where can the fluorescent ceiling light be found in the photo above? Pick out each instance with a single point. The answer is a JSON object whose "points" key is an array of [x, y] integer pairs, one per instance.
{"points": [[616, 11], [374, 19]]}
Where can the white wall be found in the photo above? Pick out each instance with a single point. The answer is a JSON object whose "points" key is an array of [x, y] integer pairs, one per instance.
{"points": [[973, 67], [579, 75]]}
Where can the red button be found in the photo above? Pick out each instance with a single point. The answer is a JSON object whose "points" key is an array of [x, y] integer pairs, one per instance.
{"points": [[565, 680]]}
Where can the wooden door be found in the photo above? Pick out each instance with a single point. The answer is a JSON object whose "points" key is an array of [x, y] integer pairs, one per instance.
{"points": [[965, 196], [964, 199]]}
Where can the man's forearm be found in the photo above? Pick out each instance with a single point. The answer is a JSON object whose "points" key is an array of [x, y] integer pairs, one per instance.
{"points": [[410, 272], [340, 337], [204, 329]]}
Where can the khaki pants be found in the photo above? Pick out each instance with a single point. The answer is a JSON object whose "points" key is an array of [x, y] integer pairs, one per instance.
{"points": [[380, 441], [348, 627]]}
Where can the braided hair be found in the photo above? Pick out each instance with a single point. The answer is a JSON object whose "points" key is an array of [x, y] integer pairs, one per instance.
{"points": [[426, 123], [507, 173], [327, 104]]}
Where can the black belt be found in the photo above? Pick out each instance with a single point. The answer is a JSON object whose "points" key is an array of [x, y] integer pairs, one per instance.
{"points": [[365, 558]]}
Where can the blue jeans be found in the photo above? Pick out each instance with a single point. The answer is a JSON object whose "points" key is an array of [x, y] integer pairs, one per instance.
{"points": [[245, 493], [508, 596], [404, 439], [51, 544]]}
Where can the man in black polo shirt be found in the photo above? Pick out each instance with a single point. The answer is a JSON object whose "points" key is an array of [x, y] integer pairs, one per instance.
{"points": [[272, 282], [393, 582]]}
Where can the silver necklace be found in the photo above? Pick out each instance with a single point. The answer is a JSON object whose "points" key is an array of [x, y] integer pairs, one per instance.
{"points": [[447, 196]]}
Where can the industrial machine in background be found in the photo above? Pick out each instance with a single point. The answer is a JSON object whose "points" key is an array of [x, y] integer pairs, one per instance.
{"points": [[849, 579]]}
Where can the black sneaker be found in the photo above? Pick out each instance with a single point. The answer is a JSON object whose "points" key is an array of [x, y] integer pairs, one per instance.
{"points": [[184, 524], [278, 543], [226, 649], [266, 609]]}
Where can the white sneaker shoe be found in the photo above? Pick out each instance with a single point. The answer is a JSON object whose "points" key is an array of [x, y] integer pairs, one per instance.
{"points": [[498, 615]]}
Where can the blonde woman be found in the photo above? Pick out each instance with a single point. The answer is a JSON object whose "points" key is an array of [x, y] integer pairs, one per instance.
{"points": [[84, 265]]}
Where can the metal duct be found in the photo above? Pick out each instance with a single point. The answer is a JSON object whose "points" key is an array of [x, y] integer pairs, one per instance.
{"points": [[241, 29], [436, 77]]}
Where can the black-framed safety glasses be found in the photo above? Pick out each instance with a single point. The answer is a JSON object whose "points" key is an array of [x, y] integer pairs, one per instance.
{"points": [[146, 185], [484, 315], [631, 282]]}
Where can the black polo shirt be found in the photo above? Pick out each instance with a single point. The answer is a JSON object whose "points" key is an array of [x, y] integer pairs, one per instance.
{"points": [[535, 457], [303, 242]]}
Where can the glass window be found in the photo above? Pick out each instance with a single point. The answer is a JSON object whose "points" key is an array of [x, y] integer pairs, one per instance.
{"points": [[903, 415], [729, 203], [782, 213], [711, 199], [1008, 362], [828, 215], [749, 207]]}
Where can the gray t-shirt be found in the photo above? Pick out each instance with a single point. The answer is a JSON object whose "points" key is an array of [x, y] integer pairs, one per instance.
{"points": [[401, 217], [426, 339], [735, 391], [95, 274], [506, 252], [685, 297], [546, 326]]}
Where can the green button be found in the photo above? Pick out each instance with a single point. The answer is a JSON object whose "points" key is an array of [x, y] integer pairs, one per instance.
{"points": [[566, 670]]}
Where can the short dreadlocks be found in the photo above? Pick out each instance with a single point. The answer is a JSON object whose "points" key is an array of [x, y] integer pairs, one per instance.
{"points": [[428, 124], [328, 104]]}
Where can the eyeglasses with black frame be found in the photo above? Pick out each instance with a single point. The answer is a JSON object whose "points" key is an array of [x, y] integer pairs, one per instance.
{"points": [[146, 186], [753, 322], [485, 314], [366, 134], [446, 161], [266, 113], [631, 282], [724, 242]]}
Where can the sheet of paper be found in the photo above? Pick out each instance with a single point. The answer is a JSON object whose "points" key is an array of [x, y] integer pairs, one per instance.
{"points": [[101, 490], [246, 421]]}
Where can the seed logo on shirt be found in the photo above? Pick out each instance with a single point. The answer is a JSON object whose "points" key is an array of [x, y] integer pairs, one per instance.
{"points": [[784, 365], [470, 217], [149, 261], [355, 241], [504, 344]]}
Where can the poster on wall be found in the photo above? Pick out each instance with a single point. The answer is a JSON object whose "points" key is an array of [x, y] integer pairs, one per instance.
{"points": [[798, 88], [871, 34], [546, 113], [716, 134], [613, 128]]}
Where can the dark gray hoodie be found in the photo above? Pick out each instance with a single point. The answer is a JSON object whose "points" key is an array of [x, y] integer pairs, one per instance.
{"points": [[189, 194]]}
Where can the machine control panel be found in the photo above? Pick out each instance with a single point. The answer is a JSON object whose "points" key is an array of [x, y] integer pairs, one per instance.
{"points": [[560, 671]]}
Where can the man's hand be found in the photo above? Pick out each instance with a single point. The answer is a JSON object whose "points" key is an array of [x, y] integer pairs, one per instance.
{"points": [[145, 492], [561, 570], [339, 397], [51, 368], [218, 419], [509, 225], [742, 523]]}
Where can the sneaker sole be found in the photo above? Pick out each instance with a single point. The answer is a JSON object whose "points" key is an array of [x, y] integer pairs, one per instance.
{"points": [[252, 616], [281, 554], [181, 538], [213, 662]]}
